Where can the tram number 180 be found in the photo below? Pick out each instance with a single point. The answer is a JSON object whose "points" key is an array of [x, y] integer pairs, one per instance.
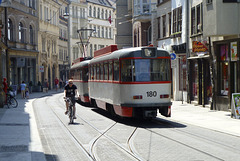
{"points": [[152, 94]]}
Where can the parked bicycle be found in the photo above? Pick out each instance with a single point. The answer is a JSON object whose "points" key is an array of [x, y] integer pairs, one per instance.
{"points": [[70, 108], [11, 100]]}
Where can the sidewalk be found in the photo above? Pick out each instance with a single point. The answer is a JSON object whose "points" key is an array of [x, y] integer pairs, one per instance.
{"points": [[204, 117], [20, 141], [19, 137]]}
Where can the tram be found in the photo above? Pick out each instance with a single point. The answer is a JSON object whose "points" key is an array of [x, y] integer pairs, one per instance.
{"points": [[79, 73], [132, 82]]}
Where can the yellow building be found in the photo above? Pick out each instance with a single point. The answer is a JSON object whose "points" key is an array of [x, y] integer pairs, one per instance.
{"points": [[48, 39]]}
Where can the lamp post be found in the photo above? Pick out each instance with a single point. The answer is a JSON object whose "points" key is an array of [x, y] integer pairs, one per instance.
{"points": [[65, 67]]}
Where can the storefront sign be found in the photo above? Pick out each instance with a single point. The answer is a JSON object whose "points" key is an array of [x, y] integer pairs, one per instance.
{"points": [[41, 69], [198, 47], [236, 105], [233, 51]]}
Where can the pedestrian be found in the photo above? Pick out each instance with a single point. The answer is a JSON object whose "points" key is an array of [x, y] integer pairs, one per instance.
{"points": [[30, 86], [45, 86], [27, 92], [5, 88], [23, 88], [56, 82], [60, 84]]}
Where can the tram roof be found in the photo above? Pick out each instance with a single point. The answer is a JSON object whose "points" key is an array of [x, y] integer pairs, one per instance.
{"points": [[80, 64], [128, 52]]}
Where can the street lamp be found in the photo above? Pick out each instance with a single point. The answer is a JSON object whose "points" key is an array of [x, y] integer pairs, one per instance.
{"points": [[84, 46], [65, 66]]}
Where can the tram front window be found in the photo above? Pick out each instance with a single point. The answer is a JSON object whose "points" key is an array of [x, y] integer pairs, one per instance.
{"points": [[145, 70]]}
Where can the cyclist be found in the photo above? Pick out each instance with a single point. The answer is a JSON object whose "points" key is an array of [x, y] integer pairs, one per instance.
{"points": [[70, 91]]}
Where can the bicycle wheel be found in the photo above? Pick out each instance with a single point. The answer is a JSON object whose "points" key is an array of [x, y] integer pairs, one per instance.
{"points": [[12, 102]]}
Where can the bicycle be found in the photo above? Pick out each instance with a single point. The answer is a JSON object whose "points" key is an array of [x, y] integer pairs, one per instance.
{"points": [[11, 100], [70, 108]]}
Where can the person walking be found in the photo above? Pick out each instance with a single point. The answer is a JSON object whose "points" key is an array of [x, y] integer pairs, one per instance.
{"points": [[23, 88], [56, 82]]}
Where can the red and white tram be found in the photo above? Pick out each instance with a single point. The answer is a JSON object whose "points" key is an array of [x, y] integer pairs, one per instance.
{"points": [[132, 82], [79, 73]]}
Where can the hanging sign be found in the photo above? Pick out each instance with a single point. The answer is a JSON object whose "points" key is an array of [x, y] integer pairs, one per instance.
{"points": [[198, 47], [234, 51], [41, 69], [236, 105]]}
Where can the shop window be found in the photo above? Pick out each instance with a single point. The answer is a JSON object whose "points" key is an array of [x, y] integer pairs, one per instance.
{"points": [[224, 70]]}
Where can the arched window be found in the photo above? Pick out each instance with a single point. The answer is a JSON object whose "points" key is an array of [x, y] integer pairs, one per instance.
{"points": [[21, 32], [31, 34], [10, 30], [94, 12], [90, 11]]}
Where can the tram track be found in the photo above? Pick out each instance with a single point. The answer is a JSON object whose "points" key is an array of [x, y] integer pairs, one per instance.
{"points": [[91, 153]]}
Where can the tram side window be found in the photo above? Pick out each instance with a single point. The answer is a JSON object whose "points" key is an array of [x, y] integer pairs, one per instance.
{"points": [[85, 74], [160, 70], [105, 71], [97, 72], [110, 71], [126, 70], [116, 70], [101, 71]]}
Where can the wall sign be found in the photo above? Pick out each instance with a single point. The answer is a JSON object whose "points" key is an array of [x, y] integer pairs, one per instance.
{"points": [[198, 47], [234, 51]]}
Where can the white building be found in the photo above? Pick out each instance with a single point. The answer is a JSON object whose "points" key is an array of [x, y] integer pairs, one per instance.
{"points": [[101, 18], [77, 21]]}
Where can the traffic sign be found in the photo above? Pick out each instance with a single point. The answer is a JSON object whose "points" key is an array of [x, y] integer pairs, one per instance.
{"points": [[173, 56]]}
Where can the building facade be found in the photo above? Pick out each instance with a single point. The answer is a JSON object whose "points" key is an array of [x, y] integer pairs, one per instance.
{"points": [[223, 33], [77, 21], [19, 58], [48, 39], [63, 55], [101, 17]]}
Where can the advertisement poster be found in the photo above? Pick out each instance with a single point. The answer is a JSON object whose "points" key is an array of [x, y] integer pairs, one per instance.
{"points": [[233, 51], [236, 105]]}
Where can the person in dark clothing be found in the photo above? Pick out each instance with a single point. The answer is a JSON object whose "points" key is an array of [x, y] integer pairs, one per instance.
{"points": [[71, 92]]}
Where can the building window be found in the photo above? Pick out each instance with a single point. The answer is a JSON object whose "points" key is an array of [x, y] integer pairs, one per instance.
{"points": [[106, 14], [98, 31], [169, 23], [102, 32], [98, 13], [177, 20], [110, 33], [164, 25], [94, 12], [31, 34], [102, 14], [224, 69], [158, 27], [10, 30], [106, 32], [21, 32], [196, 19], [90, 11], [209, 2]]}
